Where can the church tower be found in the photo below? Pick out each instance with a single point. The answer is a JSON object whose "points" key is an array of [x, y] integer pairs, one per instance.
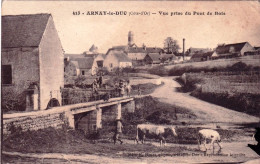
{"points": [[130, 38]]}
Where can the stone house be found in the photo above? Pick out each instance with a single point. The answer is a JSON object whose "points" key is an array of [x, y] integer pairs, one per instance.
{"points": [[153, 58], [232, 50], [32, 61], [202, 56], [192, 51], [71, 68], [83, 65], [116, 59], [135, 53]]}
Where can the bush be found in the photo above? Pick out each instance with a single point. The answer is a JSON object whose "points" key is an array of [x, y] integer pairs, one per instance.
{"points": [[190, 83], [241, 102], [239, 66], [158, 70], [13, 103]]}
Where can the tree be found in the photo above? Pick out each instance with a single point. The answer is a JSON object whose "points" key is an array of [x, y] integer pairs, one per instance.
{"points": [[171, 45]]}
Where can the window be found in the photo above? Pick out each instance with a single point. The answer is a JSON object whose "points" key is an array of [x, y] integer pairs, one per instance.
{"points": [[83, 73], [111, 65], [100, 63], [6, 74]]}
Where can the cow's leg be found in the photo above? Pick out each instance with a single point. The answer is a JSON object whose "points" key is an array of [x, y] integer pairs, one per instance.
{"points": [[199, 143], [204, 143], [212, 144], [163, 140], [136, 140], [143, 139], [219, 145]]}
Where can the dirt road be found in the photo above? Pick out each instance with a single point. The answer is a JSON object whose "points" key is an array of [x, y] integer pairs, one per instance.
{"points": [[206, 112]]}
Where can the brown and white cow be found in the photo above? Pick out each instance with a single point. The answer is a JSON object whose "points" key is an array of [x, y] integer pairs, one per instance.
{"points": [[156, 131], [209, 134]]}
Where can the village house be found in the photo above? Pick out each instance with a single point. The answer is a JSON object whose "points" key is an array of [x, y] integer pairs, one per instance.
{"points": [[116, 59], [135, 53], [256, 51], [202, 56], [80, 64], [32, 62], [152, 58], [191, 51], [232, 50]]}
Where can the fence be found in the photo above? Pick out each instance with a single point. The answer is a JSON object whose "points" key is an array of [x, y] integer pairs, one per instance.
{"points": [[74, 96]]}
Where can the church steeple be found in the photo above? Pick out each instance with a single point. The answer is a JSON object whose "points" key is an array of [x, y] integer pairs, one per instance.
{"points": [[130, 38]]}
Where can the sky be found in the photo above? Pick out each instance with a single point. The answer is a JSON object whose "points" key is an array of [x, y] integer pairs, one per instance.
{"points": [[77, 33]]}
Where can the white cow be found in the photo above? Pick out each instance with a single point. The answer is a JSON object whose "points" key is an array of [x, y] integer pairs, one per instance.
{"points": [[209, 134], [156, 131]]}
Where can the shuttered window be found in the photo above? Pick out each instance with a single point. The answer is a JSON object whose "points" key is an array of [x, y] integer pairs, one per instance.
{"points": [[6, 74]]}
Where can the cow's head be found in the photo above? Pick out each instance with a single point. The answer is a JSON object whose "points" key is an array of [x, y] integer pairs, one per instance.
{"points": [[173, 131], [170, 131]]}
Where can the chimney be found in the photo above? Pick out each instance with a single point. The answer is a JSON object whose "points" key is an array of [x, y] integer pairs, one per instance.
{"points": [[183, 47], [144, 46]]}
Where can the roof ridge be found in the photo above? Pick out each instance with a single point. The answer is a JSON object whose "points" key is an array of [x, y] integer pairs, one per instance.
{"points": [[234, 43], [26, 15]]}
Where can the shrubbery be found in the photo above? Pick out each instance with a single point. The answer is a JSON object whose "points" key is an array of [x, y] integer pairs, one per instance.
{"points": [[158, 70], [189, 83], [241, 102], [151, 110], [10, 102], [179, 70]]}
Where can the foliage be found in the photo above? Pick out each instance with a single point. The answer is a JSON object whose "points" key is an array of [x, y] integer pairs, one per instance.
{"points": [[237, 67], [190, 83], [10, 102], [171, 45], [151, 110], [242, 102], [146, 88], [103, 71], [158, 70]]}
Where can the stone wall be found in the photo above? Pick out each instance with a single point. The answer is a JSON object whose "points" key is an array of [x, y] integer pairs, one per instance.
{"points": [[56, 120], [25, 70], [109, 116], [128, 107], [89, 122], [51, 65]]}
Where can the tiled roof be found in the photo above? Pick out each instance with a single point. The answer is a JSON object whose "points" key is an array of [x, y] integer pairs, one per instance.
{"points": [[72, 56], [155, 57], [144, 50], [202, 55], [23, 30], [120, 55], [84, 63], [224, 49]]}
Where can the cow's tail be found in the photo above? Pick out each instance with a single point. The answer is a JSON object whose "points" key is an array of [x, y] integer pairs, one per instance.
{"points": [[136, 138], [199, 138]]}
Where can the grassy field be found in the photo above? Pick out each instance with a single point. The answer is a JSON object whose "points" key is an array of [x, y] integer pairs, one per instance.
{"points": [[226, 82], [249, 60], [239, 91]]}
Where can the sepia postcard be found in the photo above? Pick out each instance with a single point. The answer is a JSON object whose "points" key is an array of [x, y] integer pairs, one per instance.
{"points": [[130, 81]]}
